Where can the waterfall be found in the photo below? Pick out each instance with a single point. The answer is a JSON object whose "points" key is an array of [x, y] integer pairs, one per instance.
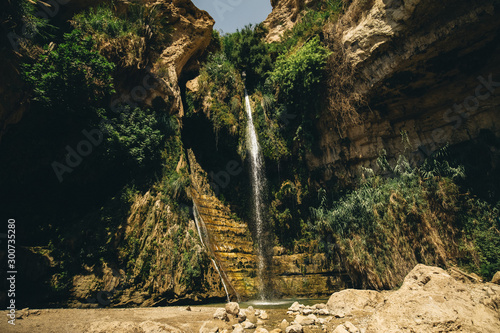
{"points": [[258, 184], [223, 282], [203, 233]]}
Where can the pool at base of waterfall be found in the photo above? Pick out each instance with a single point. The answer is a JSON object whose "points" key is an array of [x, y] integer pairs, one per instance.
{"points": [[274, 304]]}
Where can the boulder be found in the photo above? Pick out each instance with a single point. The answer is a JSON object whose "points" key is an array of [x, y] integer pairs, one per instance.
{"points": [[496, 278], [323, 312], [320, 306], [20, 314], [307, 311], [242, 316], [284, 324], [221, 314], [431, 300], [261, 330], [233, 308], [295, 307], [294, 329], [344, 302], [248, 324], [238, 329], [340, 329], [263, 315], [304, 321], [209, 328], [250, 315], [276, 330], [350, 327]]}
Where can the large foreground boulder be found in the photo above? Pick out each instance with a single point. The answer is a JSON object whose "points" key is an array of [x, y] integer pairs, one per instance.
{"points": [[346, 302], [431, 300]]}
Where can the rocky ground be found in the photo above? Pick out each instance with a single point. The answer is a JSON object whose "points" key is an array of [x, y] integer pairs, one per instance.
{"points": [[430, 300]]}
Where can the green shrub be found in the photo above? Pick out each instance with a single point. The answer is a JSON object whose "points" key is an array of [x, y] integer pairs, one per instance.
{"points": [[248, 52], [298, 76], [71, 78], [415, 215], [130, 39], [103, 20], [311, 24], [221, 94], [134, 138]]}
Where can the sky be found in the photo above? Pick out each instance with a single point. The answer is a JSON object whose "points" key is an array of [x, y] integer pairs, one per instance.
{"points": [[230, 15]]}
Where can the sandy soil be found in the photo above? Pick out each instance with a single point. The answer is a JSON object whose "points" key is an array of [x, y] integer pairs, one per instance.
{"points": [[89, 320], [132, 320]]}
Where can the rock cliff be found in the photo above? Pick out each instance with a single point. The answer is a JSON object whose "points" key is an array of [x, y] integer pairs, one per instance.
{"points": [[424, 68], [284, 16], [192, 31]]}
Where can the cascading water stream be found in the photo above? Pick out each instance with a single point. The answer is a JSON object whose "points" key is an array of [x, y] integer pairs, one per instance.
{"points": [[222, 279], [258, 184], [202, 232]]}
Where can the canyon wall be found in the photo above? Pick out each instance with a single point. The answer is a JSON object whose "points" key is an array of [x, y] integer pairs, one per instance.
{"points": [[425, 68]]}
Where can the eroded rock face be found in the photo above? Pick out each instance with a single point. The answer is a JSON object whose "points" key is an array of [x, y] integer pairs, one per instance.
{"points": [[284, 16], [191, 36], [232, 244], [230, 240], [425, 67]]}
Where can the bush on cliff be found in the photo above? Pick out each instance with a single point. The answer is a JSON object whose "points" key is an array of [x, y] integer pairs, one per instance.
{"points": [[417, 215]]}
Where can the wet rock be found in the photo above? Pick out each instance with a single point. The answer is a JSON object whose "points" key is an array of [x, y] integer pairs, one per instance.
{"points": [[221, 314], [250, 314]]}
